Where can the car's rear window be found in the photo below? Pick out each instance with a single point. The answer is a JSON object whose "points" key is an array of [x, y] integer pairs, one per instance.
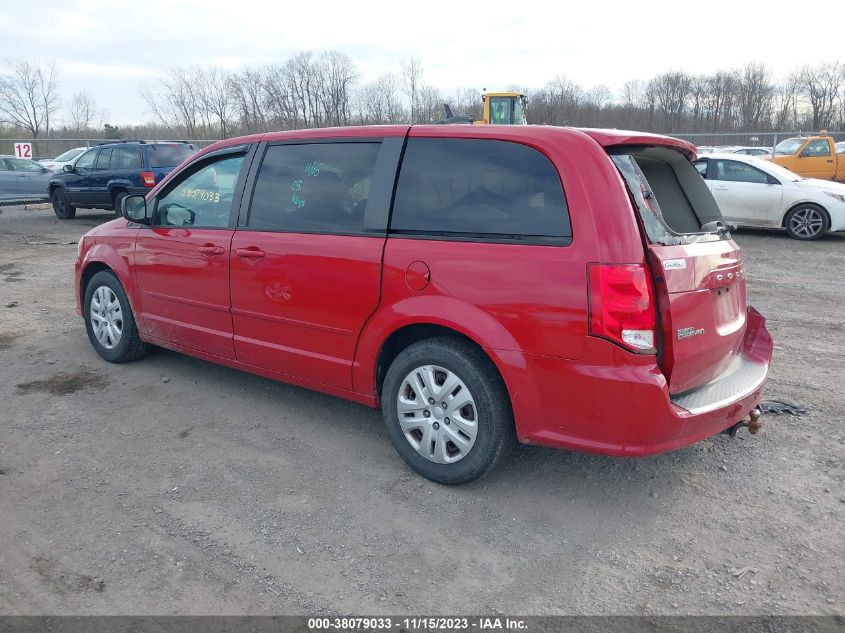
{"points": [[486, 189], [674, 204], [169, 155]]}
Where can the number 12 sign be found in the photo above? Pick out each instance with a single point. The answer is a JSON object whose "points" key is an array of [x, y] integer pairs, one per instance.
{"points": [[23, 150]]}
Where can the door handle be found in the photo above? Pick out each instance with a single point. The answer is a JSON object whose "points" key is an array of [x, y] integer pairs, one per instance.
{"points": [[720, 188], [250, 253], [830, 160], [210, 249]]}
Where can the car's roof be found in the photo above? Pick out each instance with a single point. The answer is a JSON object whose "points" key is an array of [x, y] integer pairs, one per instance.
{"points": [[604, 137]]}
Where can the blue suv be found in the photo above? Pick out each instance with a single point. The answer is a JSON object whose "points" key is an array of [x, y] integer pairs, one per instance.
{"points": [[104, 175]]}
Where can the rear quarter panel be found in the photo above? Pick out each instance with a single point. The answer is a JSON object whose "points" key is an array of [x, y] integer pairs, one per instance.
{"points": [[511, 298]]}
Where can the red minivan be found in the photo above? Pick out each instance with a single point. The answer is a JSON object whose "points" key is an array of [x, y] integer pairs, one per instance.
{"points": [[482, 285]]}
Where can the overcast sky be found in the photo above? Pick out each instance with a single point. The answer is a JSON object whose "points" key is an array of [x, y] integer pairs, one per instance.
{"points": [[110, 47]]}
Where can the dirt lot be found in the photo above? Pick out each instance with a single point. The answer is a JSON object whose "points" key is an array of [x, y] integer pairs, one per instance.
{"points": [[172, 485]]}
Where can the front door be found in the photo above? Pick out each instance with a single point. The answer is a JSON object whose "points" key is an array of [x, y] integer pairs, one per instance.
{"points": [[745, 194], [816, 160], [306, 265], [182, 259], [78, 182]]}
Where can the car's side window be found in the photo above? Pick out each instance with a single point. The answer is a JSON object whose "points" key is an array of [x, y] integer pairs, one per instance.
{"points": [[202, 198], [313, 188], [479, 189], [128, 158], [86, 161], [104, 159], [814, 149], [19, 164], [701, 166], [734, 171]]}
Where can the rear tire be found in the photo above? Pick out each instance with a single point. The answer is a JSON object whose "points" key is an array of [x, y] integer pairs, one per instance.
{"points": [[61, 207], [462, 441], [807, 222], [116, 202], [109, 320]]}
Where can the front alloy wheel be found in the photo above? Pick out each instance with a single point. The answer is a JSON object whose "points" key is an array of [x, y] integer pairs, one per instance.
{"points": [[106, 317], [109, 320], [807, 222]]}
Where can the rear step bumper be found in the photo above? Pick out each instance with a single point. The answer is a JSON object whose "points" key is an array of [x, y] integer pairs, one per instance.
{"points": [[742, 378]]}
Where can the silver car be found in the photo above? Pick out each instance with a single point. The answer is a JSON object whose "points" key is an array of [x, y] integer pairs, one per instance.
{"points": [[22, 180]]}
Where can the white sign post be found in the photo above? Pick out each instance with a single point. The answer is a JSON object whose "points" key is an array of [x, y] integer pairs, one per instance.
{"points": [[23, 150]]}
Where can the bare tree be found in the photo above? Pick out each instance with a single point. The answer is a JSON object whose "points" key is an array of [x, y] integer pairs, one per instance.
{"points": [[785, 108], [215, 95], [820, 85], [29, 96], [336, 74], [178, 102], [379, 101], [411, 81], [754, 91], [670, 92], [83, 111], [247, 91]]}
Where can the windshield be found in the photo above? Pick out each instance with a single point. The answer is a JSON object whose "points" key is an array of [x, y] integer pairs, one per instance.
{"points": [[69, 155], [169, 155], [789, 147]]}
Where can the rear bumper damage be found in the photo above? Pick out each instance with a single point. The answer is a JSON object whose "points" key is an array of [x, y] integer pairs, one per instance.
{"points": [[630, 411]]}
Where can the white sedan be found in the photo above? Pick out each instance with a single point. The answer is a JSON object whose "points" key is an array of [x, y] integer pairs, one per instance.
{"points": [[754, 192], [67, 158]]}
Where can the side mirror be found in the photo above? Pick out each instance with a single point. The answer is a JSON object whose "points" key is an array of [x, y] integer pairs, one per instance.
{"points": [[68, 168], [134, 209]]}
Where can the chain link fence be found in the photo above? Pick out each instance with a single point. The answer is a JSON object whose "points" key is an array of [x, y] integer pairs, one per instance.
{"points": [[731, 141]]}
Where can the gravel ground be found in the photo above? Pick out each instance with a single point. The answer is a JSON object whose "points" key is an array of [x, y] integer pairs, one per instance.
{"points": [[172, 485]]}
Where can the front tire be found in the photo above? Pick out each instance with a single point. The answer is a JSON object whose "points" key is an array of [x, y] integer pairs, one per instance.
{"points": [[109, 320], [61, 207], [806, 222], [447, 410]]}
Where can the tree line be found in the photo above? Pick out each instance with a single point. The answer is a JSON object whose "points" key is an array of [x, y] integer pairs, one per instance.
{"points": [[326, 89]]}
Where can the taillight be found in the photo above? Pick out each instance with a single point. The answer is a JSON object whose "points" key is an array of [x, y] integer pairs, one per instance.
{"points": [[148, 178], [622, 306]]}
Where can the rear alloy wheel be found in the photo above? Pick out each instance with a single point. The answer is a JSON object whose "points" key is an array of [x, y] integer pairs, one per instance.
{"points": [[61, 207], [807, 222], [447, 410]]}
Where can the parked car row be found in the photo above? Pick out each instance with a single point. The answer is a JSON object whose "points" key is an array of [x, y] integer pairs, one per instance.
{"points": [[102, 176], [97, 177], [735, 149]]}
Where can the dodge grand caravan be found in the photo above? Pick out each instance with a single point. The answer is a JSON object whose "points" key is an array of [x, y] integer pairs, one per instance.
{"points": [[481, 285]]}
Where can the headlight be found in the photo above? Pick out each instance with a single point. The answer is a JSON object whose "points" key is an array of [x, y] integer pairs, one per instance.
{"points": [[837, 196], [79, 246]]}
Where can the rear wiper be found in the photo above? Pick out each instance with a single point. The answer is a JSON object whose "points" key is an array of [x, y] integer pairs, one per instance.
{"points": [[716, 226]]}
